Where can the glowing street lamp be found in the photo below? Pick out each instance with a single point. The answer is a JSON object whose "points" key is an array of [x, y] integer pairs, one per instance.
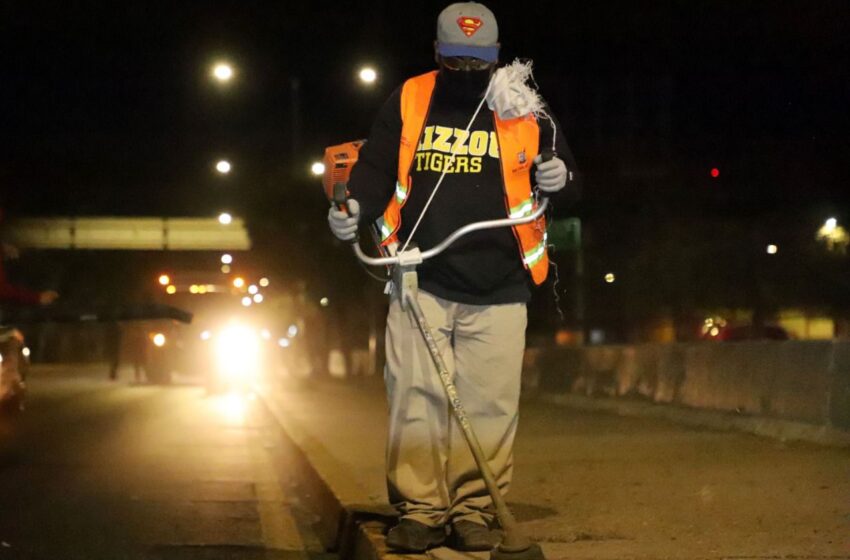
{"points": [[164, 280], [264, 282], [224, 218], [222, 72], [772, 249], [223, 166], [368, 75], [829, 226], [318, 168], [834, 235], [610, 278], [226, 259]]}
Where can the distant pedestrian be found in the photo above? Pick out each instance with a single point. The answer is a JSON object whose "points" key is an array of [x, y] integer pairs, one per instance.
{"points": [[113, 338], [135, 348]]}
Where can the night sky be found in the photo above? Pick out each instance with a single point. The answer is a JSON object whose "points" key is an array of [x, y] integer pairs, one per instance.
{"points": [[108, 109]]}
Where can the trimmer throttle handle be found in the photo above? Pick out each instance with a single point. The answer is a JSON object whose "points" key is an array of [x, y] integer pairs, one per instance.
{"points": [[340, 200], [545, 155], [340, 196]]}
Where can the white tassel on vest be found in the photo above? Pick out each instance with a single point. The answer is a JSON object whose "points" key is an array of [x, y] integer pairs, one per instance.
{"points": [[511, 94]]}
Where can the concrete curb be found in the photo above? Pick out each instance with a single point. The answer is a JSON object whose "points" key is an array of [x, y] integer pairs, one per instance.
{"points": [[783, 430]]}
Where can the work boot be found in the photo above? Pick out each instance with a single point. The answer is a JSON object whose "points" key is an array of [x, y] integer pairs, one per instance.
{"points": [[412, 536], [469, 535]]}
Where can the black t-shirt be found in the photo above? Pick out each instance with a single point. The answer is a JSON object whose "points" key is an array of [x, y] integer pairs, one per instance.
{"points": [[482, 268]]}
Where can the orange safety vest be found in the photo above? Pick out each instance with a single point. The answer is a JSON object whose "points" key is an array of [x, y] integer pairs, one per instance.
{"points": [[518, 146]]}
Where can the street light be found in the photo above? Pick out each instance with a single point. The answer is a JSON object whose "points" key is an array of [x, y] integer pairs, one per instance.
{"points": [[772, 249], [226, 258], [368, 75], [318, 168], [222, 72], [164, 280], [223, 166], [610, 278], [829, 225], [224, 218], [835, 236]]}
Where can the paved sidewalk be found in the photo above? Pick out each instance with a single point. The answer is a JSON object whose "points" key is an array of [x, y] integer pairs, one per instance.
{"points": [[600, 486]]}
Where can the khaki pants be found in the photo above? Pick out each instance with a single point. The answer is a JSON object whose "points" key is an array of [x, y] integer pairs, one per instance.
{"points": [[431, 474]]}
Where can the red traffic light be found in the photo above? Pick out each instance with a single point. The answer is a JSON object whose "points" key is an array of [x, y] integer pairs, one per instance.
{"points": [[715, 172]]}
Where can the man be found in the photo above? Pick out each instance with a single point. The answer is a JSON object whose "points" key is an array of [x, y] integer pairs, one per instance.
{"points": [[474, 295], [10, 293]]}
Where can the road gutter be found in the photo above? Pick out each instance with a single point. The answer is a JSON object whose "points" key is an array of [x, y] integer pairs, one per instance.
{"points": [[354, 531]]}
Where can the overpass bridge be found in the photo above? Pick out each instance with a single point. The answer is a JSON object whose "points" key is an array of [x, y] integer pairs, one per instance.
{"points": [[123, 233]]}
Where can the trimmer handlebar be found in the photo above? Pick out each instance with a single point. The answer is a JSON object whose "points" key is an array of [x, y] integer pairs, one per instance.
{"points": [[457, 234], [545, 156]]}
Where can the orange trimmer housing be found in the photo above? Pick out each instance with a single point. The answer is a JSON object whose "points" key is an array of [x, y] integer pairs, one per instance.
{"points": [[339, 161]]}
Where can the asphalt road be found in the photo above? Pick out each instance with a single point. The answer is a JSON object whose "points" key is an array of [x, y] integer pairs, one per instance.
{"points": [[115, 470]]}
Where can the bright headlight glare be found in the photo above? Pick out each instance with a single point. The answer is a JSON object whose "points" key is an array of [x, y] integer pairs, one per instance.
{"points": [[238, 351]]}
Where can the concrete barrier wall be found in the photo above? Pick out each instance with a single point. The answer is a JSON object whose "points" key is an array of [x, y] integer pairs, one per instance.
{"points": [[805, 381]]}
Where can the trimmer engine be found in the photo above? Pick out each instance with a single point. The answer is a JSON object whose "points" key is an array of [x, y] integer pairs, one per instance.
{"points": [[339, 160]]}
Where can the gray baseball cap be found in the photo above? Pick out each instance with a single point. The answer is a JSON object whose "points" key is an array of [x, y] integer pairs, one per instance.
{"points": [[468, 29]]}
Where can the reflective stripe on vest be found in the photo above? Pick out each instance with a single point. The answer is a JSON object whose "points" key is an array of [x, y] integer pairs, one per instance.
{"points": [[518, 146]]}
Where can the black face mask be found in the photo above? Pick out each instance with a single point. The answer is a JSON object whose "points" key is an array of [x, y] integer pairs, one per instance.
{"points": [[465, 83]]}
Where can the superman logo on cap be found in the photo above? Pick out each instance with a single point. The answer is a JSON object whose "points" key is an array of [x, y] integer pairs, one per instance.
{"points": [[469, 25]]}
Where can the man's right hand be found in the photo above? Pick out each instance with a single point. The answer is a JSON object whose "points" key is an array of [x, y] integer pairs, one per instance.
{"points": [[47, 297], [344, 224]]}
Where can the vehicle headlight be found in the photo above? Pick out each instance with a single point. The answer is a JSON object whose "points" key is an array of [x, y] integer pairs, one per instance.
{"points": [[237, 351]]}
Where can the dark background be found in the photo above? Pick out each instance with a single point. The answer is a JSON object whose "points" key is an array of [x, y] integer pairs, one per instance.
{"points": [[107, 109]]}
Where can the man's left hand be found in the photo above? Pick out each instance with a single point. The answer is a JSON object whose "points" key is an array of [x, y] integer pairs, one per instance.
{"points": [[551, 176]]}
